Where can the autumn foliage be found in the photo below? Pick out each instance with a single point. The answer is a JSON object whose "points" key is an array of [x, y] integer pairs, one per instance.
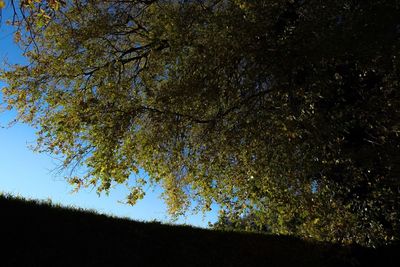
{"points": [[284, 111]]}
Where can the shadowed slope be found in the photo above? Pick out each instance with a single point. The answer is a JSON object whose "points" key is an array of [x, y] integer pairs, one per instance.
{"points": [[39, 234]]}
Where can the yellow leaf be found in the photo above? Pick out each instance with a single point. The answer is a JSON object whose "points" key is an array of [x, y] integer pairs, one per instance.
{"points": [[17, 36], [2, 4]]}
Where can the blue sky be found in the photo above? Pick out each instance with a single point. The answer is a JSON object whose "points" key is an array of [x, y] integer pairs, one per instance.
{"points": [[32, 175]]}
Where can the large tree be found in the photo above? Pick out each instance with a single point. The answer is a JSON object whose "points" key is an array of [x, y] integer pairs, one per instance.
{"points": [[287, 112]]}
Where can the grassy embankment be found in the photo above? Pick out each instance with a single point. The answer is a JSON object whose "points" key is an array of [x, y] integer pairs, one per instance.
{"points": [[41, 234]]}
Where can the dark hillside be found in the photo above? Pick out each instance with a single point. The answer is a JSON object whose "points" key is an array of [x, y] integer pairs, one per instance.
{"points": [[40, 234]]}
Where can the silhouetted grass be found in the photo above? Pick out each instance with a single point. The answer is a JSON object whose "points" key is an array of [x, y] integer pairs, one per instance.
{"points": [[41, 234]]}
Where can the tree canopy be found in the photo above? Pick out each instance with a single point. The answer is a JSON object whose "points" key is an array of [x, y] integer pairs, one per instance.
{"points": [[286, 112]]}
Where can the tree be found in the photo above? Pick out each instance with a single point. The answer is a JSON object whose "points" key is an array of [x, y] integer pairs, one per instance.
{"points": [[284, 111]]}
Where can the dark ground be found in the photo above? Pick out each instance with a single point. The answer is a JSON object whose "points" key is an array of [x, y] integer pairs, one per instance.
{"points": [[39, 234]]}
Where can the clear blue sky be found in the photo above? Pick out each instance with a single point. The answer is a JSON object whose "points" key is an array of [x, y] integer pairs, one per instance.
{"points": [[31, 175]]}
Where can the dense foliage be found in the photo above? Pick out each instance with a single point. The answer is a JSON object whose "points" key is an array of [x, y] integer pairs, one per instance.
{"points": [[284, 111]]}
